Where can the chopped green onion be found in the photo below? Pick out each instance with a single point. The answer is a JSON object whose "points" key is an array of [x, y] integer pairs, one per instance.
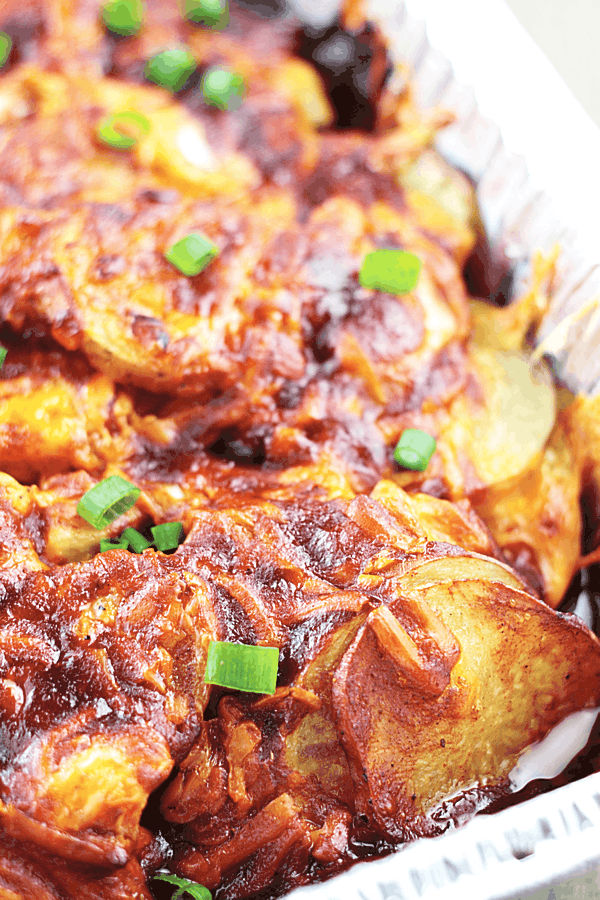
{"points": [[5, 47], [123, 129], [414, 449], [166, 536], [107, 500], [137, 541], [192, 254], [105, 545], [171, 69], [392, 271], [3, 352], [185, 886], [222, 88], [210, 13], [242, 666], [124, 17]]}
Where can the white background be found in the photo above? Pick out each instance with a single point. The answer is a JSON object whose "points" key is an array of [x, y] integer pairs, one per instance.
{"points": [[568, 31]]}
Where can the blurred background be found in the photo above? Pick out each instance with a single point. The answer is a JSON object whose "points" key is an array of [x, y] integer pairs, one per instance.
{"points": [[568, 34]]}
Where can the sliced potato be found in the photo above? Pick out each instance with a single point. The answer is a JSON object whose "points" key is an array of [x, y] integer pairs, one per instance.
{"points": [[313, 747], [444, 201], [522, 668], [446, 570], [507, 327], [508, 424], [535, 517]]}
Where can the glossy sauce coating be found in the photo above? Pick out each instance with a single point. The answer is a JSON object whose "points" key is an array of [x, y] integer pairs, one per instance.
{"points": [[258, 402]]}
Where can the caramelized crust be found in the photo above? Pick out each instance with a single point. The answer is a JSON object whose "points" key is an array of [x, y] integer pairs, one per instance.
{"points": [[395, 647], [365, 608], [259, 403]]}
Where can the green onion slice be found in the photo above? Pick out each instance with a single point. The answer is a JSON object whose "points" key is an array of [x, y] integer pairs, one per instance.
{"points": [[222, 88], [137, 541], [124, 17], [5, 47], [243, 667], [107, 500], [3, 352], [123, 129], [166, 536], [185, 886], [192, 254], [392, 271], [105, 545], [414, 449], [171, 69], [210, 13]]}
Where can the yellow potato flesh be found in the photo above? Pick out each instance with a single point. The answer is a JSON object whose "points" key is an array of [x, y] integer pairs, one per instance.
{"points": [[521, 670], [445, 569], [313, 747], [538, 511], [508, 425]]}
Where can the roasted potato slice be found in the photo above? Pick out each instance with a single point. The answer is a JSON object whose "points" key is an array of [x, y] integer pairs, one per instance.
{"points": [[506, 427], [521, 669], [536, 518]]}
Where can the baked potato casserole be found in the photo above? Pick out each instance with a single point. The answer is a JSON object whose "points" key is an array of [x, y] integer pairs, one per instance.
{"points": [[286, 510]]}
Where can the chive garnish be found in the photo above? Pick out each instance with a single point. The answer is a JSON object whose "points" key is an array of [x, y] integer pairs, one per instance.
{"points": [[123, 129], [414, 449], [167, 536], [107, 500], [137, 541], [5, 47], [210, 13], [172, 68], [391, 271], [124, 17], [222, 88], [243, 667], [192, 254]]}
